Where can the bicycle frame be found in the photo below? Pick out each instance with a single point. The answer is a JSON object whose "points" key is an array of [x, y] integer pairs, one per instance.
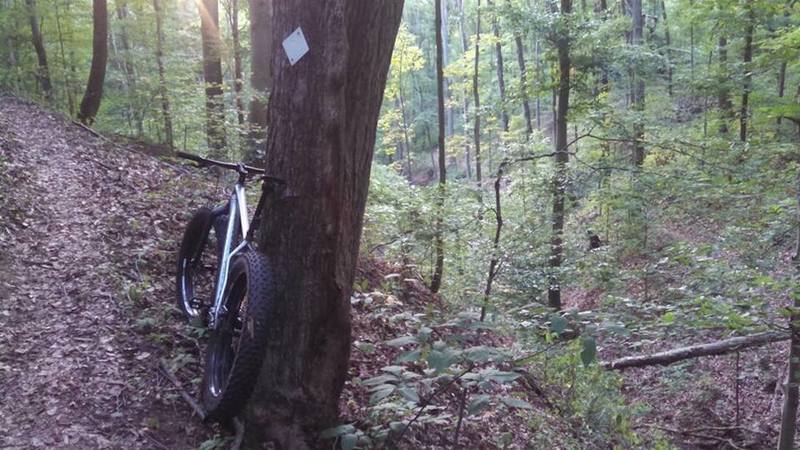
{"points": [[235, 208]]}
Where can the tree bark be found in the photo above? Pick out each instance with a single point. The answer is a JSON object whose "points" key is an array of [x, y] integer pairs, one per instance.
{"points": [[212, 74], [162, 77], [791, 390], [501, 84], [747, 59], [43, 72], [436, 279], [476, 130], [97, 74], [261, 73], [561, 160], [695, 351], [322, 122]]}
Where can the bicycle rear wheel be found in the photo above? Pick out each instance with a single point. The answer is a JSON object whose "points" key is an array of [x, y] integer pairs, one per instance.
{"points": [[236, 348], [198, 260]]}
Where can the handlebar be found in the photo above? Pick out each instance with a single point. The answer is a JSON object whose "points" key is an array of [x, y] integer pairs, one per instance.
{"points": [[238, 167]]}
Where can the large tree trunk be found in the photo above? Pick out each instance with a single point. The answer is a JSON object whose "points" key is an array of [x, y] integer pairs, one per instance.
{"points": [[791, 390], [323, 114], [747, 58], [501, 83], [476, 129], [97, 74], [43, 72], [436, 279], [561, 160], [212, 74], [162, 76], [260, 74]]}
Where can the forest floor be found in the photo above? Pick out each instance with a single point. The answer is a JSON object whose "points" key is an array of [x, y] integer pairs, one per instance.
{"points": [[88, 235]]}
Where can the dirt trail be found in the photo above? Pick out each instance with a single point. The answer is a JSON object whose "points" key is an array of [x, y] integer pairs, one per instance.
{"points": [[77, 239]]}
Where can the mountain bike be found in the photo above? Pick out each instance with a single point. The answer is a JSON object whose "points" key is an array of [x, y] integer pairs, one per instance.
{"points": [[226, 285]]}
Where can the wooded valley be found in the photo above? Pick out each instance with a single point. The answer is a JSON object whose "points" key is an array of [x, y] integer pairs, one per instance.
{"points": [[498, 223]]}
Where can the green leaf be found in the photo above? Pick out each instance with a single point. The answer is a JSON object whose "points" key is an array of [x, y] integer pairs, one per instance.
{"points": [[336, 431], [557, 324], [409, 393], [478, 404], [500, 377], [413, 355], [513, 402], [381, 393], [439, 360], [481, 354], [349, 441], [588, 351], [405, 340]]}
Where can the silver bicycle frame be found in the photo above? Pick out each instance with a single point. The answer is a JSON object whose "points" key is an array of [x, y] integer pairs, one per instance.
{"points": [[236, 208]]}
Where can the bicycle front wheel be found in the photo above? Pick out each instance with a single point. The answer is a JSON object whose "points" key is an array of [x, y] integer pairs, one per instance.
{"points": [[236, 348]]}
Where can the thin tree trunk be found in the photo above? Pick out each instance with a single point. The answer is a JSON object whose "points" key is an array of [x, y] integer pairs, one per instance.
{"points": [[637, 97], [668, 52], [238, 80], [747, 58], [126, 65], [781, 86], [501, 84], [476, 131], [162, 77], [97, 74], [691, 45], [448, 118], [260, 75], [321, 141], [523, 84], [782, 68], [436, 279], [723, 93], [464, 49], [43, 72], [212, 74], [540, 77], [561, 160], [495, 259], [67, 80]]}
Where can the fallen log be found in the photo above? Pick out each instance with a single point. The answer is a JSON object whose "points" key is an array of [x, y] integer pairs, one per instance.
{"points": [[695, 351]]}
